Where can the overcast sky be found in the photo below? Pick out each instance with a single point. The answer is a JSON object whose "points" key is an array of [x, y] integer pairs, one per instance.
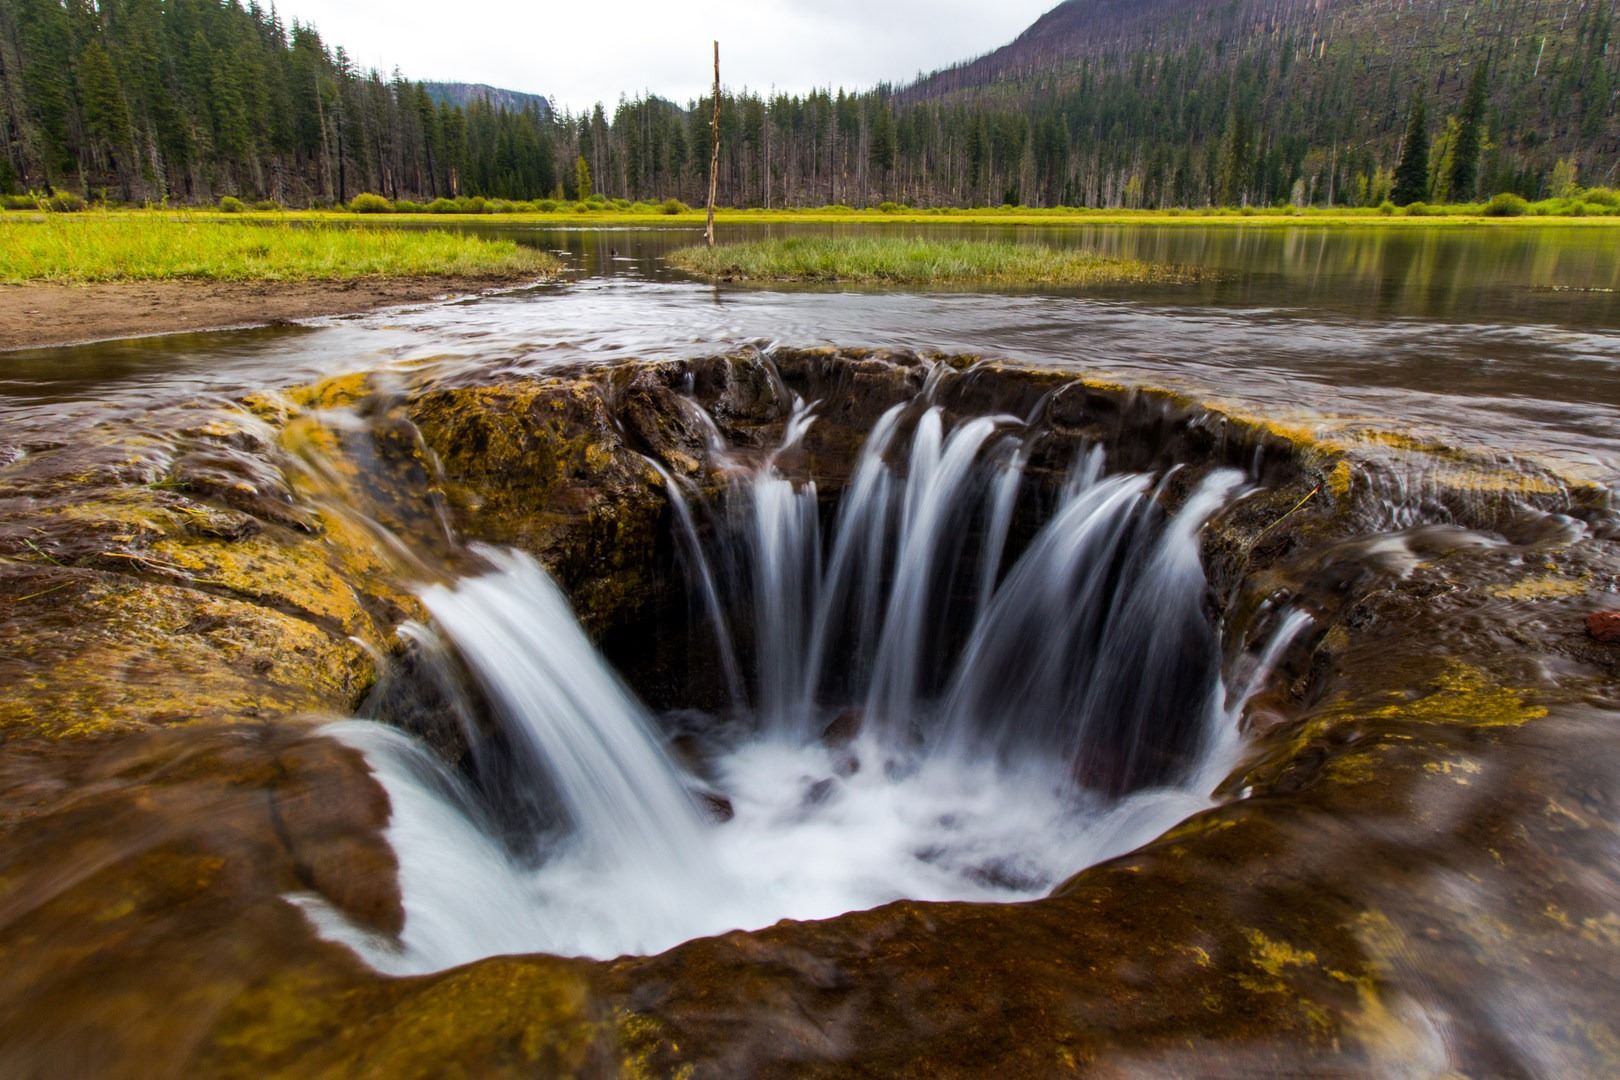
{"points": [[580, 52]]}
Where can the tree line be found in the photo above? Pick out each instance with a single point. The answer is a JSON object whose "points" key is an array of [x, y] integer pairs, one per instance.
{"points": [[190, 100]]}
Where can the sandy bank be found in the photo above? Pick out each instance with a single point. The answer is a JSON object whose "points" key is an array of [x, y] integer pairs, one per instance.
{"points": [[38, 315]]}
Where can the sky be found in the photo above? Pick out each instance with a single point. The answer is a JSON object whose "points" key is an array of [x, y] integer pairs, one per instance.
{"points": [[580, 52]]}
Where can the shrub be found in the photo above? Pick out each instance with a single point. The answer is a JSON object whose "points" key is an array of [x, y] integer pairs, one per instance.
{"points": [[672, 206], [475, 205], [230, 204], [1386, 208], [267, 206], [1601, 196], [887, 207], [442, 205], [369, 203], [838, 208], [596, 200], [547, 206], [405, 206], [621, 204], [19, 202], [66, 202], [1419, 209], [583, 208], [1506, 204]]}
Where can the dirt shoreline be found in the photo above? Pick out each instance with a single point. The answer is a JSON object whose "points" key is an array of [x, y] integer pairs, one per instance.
{"points": [[41, 315]]}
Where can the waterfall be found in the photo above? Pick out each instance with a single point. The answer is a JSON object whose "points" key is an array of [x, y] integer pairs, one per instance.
{"points": [[965, 678], [570, 718]]}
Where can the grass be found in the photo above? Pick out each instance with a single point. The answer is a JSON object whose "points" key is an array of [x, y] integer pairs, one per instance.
{"points": [[1565, 212], [916, 260], [145, 246], [586, 215]]}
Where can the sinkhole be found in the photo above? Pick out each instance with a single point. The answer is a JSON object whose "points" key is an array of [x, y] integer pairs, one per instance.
{"points": [[933, 655]]}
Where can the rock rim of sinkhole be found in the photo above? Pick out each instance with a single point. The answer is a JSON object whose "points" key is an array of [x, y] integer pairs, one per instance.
{"points": [[189, 599]]}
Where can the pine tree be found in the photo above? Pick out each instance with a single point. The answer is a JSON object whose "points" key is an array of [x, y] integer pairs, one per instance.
{"points": [[106, 112], [1412, 174], [1466, 146], [582, 179]]}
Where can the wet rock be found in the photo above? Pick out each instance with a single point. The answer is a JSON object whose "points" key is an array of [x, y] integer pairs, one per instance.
{"points": [[844, 728], [1266, 711], [332, 819], [715, 806], [1604, 626], [1005, 875], [819, 792]]}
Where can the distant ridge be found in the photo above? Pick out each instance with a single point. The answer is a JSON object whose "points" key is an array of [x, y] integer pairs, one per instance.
{"points": [[462, 94]]}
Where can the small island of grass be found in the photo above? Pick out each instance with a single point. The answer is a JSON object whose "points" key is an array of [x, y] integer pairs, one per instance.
{"points": [[918, 261]]}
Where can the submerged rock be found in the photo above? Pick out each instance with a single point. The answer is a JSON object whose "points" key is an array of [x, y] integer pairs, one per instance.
{"points": [[1604, 625], [844, 728]]}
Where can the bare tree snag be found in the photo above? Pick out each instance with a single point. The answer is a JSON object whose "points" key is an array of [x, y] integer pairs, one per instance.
{"points": [[714, 153]]}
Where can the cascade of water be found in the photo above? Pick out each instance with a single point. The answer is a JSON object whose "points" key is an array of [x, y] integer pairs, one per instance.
{"points": [[1003, 499], [1029, 719], [856, 555], [1032, 650], [1094, 644], [933, 502], [570, 716], [698, 565]]}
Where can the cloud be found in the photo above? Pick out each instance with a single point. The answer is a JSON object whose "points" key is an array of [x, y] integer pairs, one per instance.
{"points": [[579, 53]]}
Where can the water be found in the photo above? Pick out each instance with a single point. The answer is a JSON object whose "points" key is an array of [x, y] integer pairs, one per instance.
{"points": [[870, 752], [1494, 337]]}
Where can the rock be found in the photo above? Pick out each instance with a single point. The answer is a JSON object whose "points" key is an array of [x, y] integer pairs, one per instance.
{"points": [[819, 792], [1605, 626], [842, 729], [715, 806]]}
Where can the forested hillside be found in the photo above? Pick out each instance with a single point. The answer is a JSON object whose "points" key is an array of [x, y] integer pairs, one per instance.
{"points": [[1169, 101], [1100, 103], [187, 100]]}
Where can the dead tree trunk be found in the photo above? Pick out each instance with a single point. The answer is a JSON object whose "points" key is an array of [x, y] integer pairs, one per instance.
{"points": [[714, 153]]}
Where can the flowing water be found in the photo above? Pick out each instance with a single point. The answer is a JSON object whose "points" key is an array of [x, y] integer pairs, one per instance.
{"points": [[929, 708], [1492, 337]]}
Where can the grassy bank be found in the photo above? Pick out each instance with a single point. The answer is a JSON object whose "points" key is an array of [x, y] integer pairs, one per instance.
{"points": [[1509, 212], [137, 246], [916, 260]]}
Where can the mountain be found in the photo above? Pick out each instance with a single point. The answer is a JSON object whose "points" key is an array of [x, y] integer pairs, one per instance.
{"points": [[1145, 86], [460, 95]]}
